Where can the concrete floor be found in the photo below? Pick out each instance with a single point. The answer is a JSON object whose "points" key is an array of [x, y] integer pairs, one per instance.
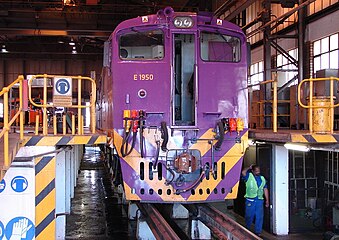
{"points": [[96, 211]]}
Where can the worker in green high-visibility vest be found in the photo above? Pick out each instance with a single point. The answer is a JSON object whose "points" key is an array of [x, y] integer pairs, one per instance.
{"points": [[256, 190]]}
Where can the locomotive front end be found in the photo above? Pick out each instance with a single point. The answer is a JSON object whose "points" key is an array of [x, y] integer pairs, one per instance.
{"points": [[179, 107]]}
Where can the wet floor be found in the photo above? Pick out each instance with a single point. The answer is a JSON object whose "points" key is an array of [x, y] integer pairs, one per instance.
{"points": [[96, 210]]}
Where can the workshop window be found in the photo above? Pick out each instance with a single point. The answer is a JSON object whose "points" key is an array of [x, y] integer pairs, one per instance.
{"points": [[287, 71], [256, 75], [326, 53]]}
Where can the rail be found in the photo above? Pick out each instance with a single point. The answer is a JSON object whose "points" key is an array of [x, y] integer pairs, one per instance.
{"points": [[67, 103], [7, 123], [222, 225], [311, 98], [158, 225]]}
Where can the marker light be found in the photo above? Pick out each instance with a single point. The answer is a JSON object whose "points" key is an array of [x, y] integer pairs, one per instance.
{"points": [[183, 22]]}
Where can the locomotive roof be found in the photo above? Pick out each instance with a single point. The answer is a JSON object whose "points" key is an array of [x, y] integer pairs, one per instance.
{"points": [[200, 19]]}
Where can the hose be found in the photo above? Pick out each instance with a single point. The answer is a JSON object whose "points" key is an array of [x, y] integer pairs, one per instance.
{"points": [[164, 136], [180, 181], [157, 154], [221, 130], [142, 141], [124, 146], [171, 172], [178, 191]]}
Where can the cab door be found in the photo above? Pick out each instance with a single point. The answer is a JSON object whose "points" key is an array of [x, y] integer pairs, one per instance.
{"points": [[184, 80]]}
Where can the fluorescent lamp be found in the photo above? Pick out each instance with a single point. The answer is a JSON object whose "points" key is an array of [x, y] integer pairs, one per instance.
{"points": [[297, 147], [4, 50]]}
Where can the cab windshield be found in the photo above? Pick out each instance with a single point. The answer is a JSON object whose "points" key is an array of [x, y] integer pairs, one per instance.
{"points": [[217, 47], [141, 45]]}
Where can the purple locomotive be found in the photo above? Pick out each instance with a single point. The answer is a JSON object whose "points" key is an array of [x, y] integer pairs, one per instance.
{"points": [[173, 98]]}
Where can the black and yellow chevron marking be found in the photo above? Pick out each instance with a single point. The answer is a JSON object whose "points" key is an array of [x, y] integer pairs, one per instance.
{"points": [[315, 138], [64, 140], [45, 197]]}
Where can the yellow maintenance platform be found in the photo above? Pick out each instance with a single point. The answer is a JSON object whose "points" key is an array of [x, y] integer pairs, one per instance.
{"points": [[40, 160]]}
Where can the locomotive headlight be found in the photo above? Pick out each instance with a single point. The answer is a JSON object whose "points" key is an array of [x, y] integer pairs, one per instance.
{"points": [[183, 22]]}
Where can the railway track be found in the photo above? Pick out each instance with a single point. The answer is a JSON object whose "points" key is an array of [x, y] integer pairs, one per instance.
{"points": [[157, 223], [220, 224]]}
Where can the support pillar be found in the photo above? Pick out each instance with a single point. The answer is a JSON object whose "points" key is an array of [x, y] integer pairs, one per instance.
{"points": [[68, 180], [61, 199], [143, 230], [266, 17], [179, 211], [200, 230], [279, 190]]}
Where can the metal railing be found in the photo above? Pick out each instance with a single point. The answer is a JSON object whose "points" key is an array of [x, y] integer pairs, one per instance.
{"points": [[18, 114], [311, 99], [7, 123], [77, 106], [274, 103]]}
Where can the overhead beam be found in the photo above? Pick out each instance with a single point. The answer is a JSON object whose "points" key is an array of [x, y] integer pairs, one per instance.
{"points": [[239, 7], [50, 32]]}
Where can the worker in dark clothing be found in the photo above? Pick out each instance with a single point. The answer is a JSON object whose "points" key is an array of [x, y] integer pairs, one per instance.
{"points": [[256, 189]]}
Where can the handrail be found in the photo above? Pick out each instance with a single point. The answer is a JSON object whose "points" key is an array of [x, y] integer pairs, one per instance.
{"points": [[311, 106], [78, 106], [8, 123], [275, 101]]}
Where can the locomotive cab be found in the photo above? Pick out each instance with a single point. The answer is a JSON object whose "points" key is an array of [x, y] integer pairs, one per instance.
{"points": [[177, 90]]}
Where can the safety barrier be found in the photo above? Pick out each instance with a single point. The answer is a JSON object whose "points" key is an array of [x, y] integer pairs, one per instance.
{"points": [[274, 103], [324, 103], [18, 115], [7, 123], [67, 103]]}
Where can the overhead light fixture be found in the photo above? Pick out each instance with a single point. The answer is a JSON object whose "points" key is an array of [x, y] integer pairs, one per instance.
{"points": [[72, 43], [70, 3], [297, 147], [3, 49]]}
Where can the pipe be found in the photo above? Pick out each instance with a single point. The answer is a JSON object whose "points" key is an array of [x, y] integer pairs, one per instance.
{"points": [[301, 38], [6, 127], [171, 172], [79, 104], [157, 154], [141, 133], [178, 191], [55, 130], [21, 80], [44, 109], [275, 103]]}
